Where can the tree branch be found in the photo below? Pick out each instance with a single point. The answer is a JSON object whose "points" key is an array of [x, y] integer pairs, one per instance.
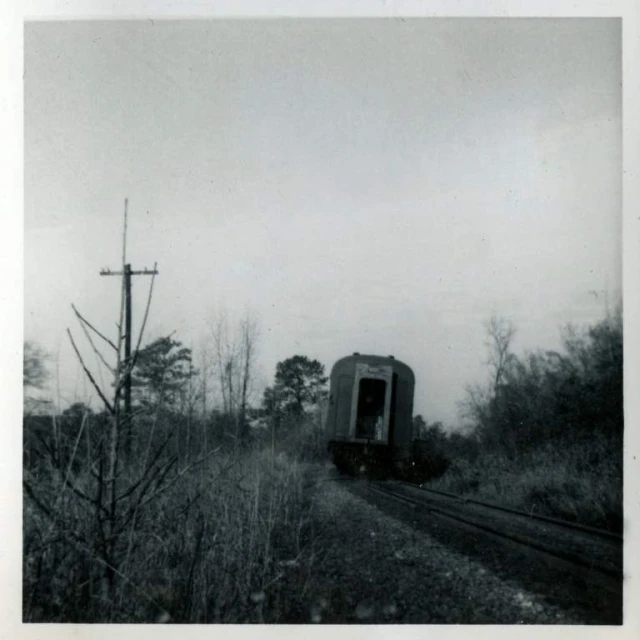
{"points": [[85, 321], [148, 469], [175, 478], [93, 382], [93, 346]]}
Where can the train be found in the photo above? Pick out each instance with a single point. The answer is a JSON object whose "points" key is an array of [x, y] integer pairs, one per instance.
{"points": [[369, 419]]}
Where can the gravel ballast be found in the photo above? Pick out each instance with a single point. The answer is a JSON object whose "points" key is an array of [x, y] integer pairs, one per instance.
{"points": [[371, 567]]}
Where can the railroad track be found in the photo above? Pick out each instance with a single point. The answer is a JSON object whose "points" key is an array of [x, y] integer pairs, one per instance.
{"points": [[594, 555], [571, 526]]}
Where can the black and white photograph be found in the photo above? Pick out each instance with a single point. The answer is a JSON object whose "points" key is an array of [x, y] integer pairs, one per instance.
{"points": [[323, 321]]}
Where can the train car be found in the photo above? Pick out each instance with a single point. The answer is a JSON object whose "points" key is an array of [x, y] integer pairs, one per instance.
{"points": [[369, 418]]}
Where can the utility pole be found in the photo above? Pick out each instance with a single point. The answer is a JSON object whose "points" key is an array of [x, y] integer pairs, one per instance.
{"points": [[126, 274]]}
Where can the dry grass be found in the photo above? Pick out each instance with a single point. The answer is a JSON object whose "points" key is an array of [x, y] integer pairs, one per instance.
{"points": [[219, 545], [580, 481]]}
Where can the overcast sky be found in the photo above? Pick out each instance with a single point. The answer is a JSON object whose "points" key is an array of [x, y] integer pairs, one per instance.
{"points": [[380, 186]]}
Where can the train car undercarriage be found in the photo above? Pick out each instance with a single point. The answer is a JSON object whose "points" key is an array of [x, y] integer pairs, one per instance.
{"points": [[362, 459]]}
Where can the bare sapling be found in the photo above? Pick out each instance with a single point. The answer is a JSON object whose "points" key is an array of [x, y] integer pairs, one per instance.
{"points": [[101, 491]]}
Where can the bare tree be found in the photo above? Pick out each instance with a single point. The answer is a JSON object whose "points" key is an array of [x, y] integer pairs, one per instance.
{"points": [[500, 332], [224, 355], [234, 349], [203, 393], [475, 406], [248, 337], [482, 403], [107, 496], [101, 485]]}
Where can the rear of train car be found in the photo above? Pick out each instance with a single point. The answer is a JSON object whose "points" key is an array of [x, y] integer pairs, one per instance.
{"points": [[369, 417]]}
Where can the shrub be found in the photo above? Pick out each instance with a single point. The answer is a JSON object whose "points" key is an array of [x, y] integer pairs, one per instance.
{"points": [[578, 480], [215, 545]]}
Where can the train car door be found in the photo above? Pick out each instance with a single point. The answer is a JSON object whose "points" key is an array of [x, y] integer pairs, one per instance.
{"points": [[371, 403]]}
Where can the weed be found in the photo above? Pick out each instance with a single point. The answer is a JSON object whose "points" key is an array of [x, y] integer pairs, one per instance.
{"points": [[578, 480], [198, 553]]}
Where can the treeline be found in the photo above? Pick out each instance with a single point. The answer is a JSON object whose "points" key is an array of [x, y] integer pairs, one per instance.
{"points": [[545, 430], [548, 395], [185, 409], [542, 396]]}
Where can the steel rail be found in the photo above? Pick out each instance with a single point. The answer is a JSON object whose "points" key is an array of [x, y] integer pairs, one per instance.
{"points": [[612, 577], [574, 526]]}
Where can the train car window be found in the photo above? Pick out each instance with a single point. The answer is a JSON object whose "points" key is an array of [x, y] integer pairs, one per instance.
{"points": [[370, 414]]}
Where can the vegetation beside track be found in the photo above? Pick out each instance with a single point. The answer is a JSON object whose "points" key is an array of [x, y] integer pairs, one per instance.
{"points": [[209, 540], [176, 511], [545, 434]]}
